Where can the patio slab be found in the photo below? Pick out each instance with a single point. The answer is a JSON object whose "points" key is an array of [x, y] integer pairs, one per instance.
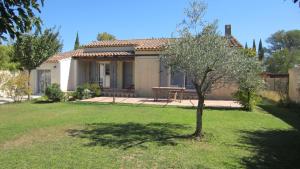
{"points": [[164, 102]]}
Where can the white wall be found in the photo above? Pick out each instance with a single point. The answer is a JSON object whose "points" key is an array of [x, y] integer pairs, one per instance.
{"points": [[65, 66]]}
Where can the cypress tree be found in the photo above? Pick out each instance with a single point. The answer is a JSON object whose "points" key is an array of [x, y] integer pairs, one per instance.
{"points": [[254, 45], [260, 51], [77, 44], [246, 46]]}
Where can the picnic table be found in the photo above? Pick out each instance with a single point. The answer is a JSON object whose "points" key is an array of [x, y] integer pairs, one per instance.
{"points": [[170, 90]]}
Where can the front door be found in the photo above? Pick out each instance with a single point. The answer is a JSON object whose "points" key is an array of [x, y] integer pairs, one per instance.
{"points": [[104, 74], [44, 80]]}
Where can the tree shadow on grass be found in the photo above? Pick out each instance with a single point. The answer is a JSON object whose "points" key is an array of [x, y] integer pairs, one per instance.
{"points": [[276, 149], [130, 135], [290, 116]]}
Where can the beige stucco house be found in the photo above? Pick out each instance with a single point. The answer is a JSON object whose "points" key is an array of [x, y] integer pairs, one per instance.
{"points": [[132, 66]]}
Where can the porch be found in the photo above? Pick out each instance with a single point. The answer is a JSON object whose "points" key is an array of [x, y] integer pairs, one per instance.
{"points": [[113, 75]]}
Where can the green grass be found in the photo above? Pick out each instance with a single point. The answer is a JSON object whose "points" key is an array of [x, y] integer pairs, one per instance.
{"points": [[81, 135]]}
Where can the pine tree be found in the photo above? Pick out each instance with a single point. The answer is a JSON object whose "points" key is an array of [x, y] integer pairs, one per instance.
{"points": [[77, 44], [246, 46], [254, 45], [260, 51]]}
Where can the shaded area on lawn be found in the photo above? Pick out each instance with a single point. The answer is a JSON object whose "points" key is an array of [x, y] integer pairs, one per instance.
{"points": [[130, 134], [272, 149], [290, 116]]}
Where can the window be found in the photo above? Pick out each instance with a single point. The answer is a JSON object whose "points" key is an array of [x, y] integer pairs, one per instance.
{"points": [[107, 69]]}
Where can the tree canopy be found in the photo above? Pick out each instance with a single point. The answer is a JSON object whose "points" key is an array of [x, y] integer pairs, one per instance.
{"points": [[283, 50], [31, 50], [204, 55], [296, 1], [19, 16], [6, 58], [105, 36]]}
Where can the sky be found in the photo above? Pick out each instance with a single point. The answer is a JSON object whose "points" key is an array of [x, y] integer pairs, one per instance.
{"points": [[134, 19]]}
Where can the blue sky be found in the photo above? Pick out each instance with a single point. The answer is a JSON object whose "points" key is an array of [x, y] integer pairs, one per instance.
{"points": [[250, 19]]}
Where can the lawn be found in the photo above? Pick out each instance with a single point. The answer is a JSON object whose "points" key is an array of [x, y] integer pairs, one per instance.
{"points": [[82, 135]]}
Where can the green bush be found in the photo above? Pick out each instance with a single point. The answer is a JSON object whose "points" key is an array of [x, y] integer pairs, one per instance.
{"points": [[79, 92], [86, 94], [54, 93], [247, 98], [87, 91], [70, 96], [95, 89]]}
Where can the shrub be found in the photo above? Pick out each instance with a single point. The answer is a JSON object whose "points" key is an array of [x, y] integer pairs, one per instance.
{"points": [[247, 98], [16, 87], [70, 96], [79, 92], [87, 91], [95, 89], [86, 94], [54, 93]]}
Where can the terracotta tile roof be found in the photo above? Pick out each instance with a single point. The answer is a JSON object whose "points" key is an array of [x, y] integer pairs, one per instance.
{"points": [[234, 42], [99, 54], [138, 44], [144, 44], [64, 55]]}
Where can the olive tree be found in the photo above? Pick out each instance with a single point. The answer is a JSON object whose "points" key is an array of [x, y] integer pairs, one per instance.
{"points": [[203, 55]]}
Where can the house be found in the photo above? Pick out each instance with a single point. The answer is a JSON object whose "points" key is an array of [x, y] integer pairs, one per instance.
{"points": [[124, 65]]}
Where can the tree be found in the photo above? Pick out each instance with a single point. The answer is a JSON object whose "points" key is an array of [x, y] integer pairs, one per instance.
{"points": [[296, 1], [249, 52], [105, 36], [284, 51], [203, 55], [254, 45], [246, 46], [77, 44], [31, 50], [284, 40], [249, 82], [6, 54], [261, 51], [282, 60], [19, 16]]}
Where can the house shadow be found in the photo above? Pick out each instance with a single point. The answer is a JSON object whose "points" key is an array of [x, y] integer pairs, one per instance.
{"points": [[128, 135]]}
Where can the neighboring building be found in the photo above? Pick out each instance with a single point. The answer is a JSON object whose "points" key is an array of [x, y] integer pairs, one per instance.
{"points": [[294, 84], [125, 65]]}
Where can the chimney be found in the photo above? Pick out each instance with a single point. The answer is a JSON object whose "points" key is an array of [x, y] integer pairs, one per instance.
{"points": [[227, 30]]}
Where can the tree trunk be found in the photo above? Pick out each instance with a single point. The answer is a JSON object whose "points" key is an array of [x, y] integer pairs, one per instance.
{"points": [[28, 85], [198, 132]]}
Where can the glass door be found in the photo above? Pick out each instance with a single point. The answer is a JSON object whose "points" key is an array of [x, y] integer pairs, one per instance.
{"points": [[44, 80]]}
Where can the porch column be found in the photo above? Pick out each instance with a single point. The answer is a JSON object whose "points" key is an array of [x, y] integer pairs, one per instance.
{"points": [[113, 79]]}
